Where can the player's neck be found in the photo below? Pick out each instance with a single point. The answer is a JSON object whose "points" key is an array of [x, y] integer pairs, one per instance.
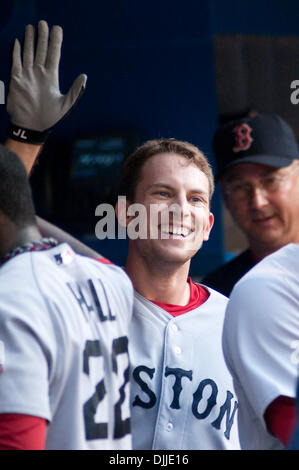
{"points": [[259, 251], [166, 284], [17, 237]]}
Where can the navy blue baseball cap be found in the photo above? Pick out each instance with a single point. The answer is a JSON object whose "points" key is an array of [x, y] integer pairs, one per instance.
{"points": [[265, 138]]}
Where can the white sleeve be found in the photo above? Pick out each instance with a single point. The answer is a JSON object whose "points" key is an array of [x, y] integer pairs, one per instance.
{"points": [[29, 351], [261, 326]]}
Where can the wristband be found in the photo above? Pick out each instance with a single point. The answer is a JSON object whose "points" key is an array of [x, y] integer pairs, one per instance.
{"points": [[27, 136]]}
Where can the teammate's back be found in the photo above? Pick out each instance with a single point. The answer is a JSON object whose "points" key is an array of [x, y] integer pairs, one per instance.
{"points": [[64, 323]]}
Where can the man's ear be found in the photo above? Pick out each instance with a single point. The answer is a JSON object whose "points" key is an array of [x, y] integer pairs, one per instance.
{"points": [[121, 210], [209, 227]]}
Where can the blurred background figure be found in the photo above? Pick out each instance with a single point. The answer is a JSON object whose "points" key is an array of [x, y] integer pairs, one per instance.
{"points": [[258, 170]]}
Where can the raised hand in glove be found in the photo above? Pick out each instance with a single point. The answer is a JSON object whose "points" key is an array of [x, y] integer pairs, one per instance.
{"points": [[34, 101]]}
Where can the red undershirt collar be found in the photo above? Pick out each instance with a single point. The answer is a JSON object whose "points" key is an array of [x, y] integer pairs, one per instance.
{"points": [[198, 295]]}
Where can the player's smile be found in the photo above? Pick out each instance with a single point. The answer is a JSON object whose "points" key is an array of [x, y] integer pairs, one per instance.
{"points": [[175, 231], [264, 219]]}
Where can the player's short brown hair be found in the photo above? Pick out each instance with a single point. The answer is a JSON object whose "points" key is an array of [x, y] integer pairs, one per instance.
{"points": [[132, 166]]}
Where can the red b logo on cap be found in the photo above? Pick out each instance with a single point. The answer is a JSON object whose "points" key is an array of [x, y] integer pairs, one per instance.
{"points": [[243, 137]]}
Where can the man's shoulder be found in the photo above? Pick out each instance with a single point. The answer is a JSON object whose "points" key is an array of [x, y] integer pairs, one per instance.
{"points": [[63, 258], [20, 296], [280, 268], [284, 259], [17, 272], [272, 282]]}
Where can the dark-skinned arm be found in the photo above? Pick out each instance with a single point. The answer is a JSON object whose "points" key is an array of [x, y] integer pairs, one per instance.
{"points": [[28, 153], [49, 230]]}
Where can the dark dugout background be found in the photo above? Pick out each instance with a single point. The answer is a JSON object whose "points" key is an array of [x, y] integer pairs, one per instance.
{"points": [[153, 71]]}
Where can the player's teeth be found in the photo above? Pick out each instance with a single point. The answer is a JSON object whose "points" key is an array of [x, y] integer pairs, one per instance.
{"points": [[182, 231]]}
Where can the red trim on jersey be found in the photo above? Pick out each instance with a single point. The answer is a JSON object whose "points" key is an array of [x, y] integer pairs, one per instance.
{"points": [[103, 260], [22, 432], [198, 295], [281, 418]]}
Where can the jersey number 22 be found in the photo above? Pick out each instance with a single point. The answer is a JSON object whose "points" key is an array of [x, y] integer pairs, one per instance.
{"points": [[95, 430]]}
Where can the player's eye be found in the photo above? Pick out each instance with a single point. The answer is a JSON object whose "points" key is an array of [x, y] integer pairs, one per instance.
{"points": [[239, 187], [162, 193], [271, 182], [198, 200]]}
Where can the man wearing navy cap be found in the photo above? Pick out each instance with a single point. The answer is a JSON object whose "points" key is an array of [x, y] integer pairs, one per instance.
{"points": [[257, 159]]}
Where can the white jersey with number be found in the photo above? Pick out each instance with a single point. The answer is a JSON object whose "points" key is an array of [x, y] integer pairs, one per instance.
{"points": [[182, 395], [261, 341], [63, 333]]}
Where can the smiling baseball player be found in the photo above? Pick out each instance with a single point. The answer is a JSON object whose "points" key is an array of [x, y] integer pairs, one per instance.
{"points": [[182, 394]]}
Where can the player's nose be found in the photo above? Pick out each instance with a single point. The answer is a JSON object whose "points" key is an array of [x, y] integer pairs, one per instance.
{"points": [[182, 203]]}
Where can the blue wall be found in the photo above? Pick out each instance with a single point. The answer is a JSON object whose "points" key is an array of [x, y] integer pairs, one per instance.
{"points": [[150, 69], [264, 17]]}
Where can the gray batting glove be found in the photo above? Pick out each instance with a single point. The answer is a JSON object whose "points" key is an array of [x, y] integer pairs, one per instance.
{"points": [[34, 101]]}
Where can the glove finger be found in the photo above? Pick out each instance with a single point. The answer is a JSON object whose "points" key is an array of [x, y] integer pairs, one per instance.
{"points": [[16, 68], [54, 50], [42, 43], [28, 50], [75, 92]]}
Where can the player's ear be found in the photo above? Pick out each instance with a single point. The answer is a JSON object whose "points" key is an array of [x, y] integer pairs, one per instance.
{"points": [[121, 210], [209, 226]]}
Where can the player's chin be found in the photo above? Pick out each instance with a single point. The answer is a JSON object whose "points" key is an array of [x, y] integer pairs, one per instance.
{"points": [[179, 250]]}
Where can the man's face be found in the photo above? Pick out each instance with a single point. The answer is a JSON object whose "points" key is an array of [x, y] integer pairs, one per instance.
{"points": [[175, 194], [264, 202]]}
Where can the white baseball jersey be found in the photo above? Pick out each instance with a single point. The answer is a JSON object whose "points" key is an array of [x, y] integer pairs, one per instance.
{"points": [[261, 341], [182, 395], [64, 332]]}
